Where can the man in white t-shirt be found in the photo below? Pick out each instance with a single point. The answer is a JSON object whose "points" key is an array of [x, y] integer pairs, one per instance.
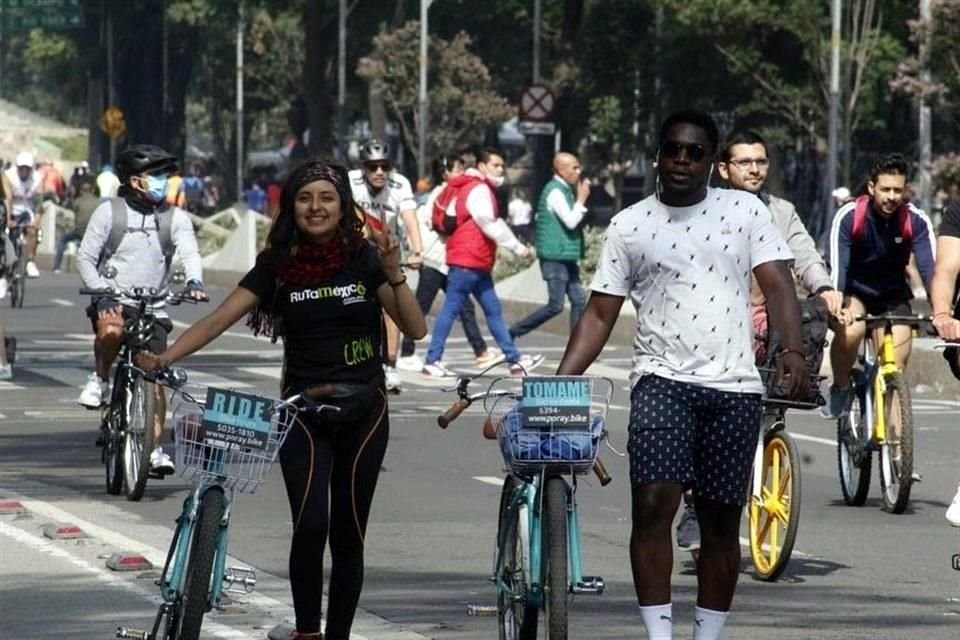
{"points": [[684, 257], [26, 189], [520, 214], [387, 199]]}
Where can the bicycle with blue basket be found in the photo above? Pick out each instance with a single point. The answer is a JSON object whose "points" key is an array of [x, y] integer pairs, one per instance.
{"points": [[549, 430], [225, 444]]}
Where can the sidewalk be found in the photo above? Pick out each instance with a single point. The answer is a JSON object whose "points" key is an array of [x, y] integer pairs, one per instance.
{"points": [[524, 292]]}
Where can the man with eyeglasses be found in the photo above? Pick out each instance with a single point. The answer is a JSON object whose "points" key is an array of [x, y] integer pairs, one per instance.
{"points": [[684, 257], [387, 199]]}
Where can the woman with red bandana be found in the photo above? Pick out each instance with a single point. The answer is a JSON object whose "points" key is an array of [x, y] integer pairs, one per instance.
{"points": [[321, 287]]}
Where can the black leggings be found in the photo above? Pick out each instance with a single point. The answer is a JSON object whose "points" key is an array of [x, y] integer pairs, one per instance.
{"points": [[331, 471]]}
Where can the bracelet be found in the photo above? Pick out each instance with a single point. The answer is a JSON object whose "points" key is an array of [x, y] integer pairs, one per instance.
{"points": [[398, 282], [787, 350], [942, 313]]}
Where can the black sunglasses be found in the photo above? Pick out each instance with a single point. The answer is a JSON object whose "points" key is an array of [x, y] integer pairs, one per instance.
{"points": [[672, 150], [373, 166]]}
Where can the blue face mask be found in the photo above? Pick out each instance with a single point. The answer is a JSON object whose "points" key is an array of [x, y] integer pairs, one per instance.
{"points": [[156, 188]]}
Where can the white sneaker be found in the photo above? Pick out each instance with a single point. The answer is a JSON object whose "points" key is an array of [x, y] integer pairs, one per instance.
{"points": [[437, 370], [3, 288], [93, 392], [393, 381], [6, 372], [489, 358], [161, 462], [412, 362], [526, 364], [953, 511], [32, 271]]}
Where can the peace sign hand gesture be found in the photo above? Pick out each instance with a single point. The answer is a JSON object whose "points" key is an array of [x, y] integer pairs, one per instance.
{"points": [[388, 251]]}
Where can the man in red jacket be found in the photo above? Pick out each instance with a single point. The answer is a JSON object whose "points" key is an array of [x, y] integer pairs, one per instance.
{"points": [[471, 253]]}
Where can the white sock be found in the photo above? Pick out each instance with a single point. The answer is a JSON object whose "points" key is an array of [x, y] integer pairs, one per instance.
{"points": [[708, 624], [658, 619]]}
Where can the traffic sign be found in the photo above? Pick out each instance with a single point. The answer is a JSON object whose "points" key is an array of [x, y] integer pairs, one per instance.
{"points": [[531, 128], [24, 15], [112, 122], [51, 5], [537, 102]]}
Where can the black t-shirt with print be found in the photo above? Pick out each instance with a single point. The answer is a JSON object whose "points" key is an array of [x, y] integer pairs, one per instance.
{"points": [[332, 330], [950, 226]]}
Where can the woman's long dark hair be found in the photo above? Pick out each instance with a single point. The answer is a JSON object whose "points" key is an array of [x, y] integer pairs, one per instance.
{"points": [[283, 236]]}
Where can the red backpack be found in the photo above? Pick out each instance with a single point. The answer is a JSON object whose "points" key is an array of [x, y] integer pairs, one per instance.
{"points": [[860, 219], [444, 217]]}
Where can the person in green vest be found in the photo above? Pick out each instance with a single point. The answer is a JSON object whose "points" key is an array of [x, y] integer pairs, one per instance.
{"points": [[559, 243]]}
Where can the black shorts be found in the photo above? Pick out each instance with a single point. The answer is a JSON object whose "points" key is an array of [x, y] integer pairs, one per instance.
{"points": [[161, 328], [879, 306], [693, 436]]}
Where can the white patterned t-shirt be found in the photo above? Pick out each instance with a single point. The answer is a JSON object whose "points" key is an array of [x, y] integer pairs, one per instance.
{"points": [[687, 272]]}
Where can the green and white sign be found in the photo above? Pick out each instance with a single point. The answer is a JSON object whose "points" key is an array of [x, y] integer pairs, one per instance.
{"points": [[24, 15], [560, 401], [235, 420]]}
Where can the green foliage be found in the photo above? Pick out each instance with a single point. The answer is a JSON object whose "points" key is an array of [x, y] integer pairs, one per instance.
{"points": [[74, 148], [463, 102]]}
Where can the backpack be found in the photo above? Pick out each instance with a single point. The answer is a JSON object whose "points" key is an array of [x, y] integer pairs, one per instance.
{"points": [[860, 220], [118, 229], [814, 318], [441, 219]]}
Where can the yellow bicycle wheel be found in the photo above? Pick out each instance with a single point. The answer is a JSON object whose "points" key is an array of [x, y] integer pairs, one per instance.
{"points": [[775, 513]]}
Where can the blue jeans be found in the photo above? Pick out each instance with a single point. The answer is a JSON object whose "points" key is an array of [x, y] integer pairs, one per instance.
{"points": [[430, 283], [562, 278], [462, 283], [65, 239]]}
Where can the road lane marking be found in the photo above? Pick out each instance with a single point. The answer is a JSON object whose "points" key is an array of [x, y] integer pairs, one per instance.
{"points": [[276, 610], [494, 480], [817, 439], [61, 302], [267, 372]]}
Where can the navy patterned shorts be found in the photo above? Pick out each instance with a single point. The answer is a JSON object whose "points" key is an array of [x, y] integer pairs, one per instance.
{"points": [[700, 438]]}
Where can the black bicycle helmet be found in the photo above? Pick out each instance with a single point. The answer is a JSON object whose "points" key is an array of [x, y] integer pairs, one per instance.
{"points": [[144, 158], [374, 150]]}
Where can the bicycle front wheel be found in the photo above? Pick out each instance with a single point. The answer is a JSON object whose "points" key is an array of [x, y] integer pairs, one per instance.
{"points": [[775, 514], [195, 599], [19, 288], [515, 618], [112, 454], [853, 457], [138, 439], [555, 537], [896, 453]]}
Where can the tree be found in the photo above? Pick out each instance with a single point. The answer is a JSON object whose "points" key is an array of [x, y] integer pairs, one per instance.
{"points": [[463, 103]]}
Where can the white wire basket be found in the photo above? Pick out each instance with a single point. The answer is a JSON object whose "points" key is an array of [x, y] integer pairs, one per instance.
{"points": [[531, 443], [203, 457]]}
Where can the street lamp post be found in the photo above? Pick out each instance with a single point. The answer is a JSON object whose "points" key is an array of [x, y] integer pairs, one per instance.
{"points": [[831, 177], [924, 130], [424, 106], [239, 175]]}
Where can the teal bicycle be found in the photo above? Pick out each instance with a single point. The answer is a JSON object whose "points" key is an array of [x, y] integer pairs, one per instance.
{"points": [[225, 444], [549, 431]]}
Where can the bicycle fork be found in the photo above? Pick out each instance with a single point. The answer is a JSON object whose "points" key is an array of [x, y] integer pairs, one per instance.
{"points": [[579, 583]]}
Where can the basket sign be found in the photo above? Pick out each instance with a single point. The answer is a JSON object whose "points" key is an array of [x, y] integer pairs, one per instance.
{"points": [[232, 419], [556, 402]]}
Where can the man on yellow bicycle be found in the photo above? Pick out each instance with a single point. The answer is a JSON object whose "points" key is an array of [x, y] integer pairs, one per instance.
{"points": [[871, 241]]}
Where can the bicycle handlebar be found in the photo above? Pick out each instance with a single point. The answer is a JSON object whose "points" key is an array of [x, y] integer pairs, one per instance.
{"points": [[489, 432], [914, 321], [141, 294]]}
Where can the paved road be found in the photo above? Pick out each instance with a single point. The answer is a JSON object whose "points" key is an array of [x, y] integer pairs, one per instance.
{"points": [[857, 573]]}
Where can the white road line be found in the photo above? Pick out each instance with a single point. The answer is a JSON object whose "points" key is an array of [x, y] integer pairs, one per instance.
{"points": [[267, 372], [52, 549], [817, 439], [63, 303], [494, 480], [9, 386], [366, 622]]}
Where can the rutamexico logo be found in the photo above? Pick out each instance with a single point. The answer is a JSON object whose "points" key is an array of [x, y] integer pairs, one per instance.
{"points": [[349, 293]]}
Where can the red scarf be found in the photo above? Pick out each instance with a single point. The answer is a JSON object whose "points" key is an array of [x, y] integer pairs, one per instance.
{"points": [[310, 264]]}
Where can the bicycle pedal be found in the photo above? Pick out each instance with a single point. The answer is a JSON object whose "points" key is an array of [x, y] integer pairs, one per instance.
{"points": [[240, 580], [131, 634], [482, 610], [589, 585]]}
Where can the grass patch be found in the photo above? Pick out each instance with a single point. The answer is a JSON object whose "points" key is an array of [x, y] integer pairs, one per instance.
{"points": [[72, 149]]}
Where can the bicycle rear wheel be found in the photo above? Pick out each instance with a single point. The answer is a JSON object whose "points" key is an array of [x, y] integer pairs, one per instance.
{"points": [[853, 458], [896, 454], [516, 619], [555, 538], [775, 515], [138, 437], [195, 599]]}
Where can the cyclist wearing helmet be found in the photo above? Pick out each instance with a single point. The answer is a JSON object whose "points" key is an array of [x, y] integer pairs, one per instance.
{"points": [[25, 192], [139, 260], [384, 195]]}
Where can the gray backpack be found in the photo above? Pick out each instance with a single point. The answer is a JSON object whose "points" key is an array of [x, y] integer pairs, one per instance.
{"points": [[118, 229]]}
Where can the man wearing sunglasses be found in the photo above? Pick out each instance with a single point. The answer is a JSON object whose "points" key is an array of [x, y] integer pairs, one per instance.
{"points": [[386, 199], [684, 256]]}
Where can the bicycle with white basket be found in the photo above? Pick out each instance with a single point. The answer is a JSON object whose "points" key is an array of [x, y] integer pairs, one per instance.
{"points": [[549, 430], [224, 444]]}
